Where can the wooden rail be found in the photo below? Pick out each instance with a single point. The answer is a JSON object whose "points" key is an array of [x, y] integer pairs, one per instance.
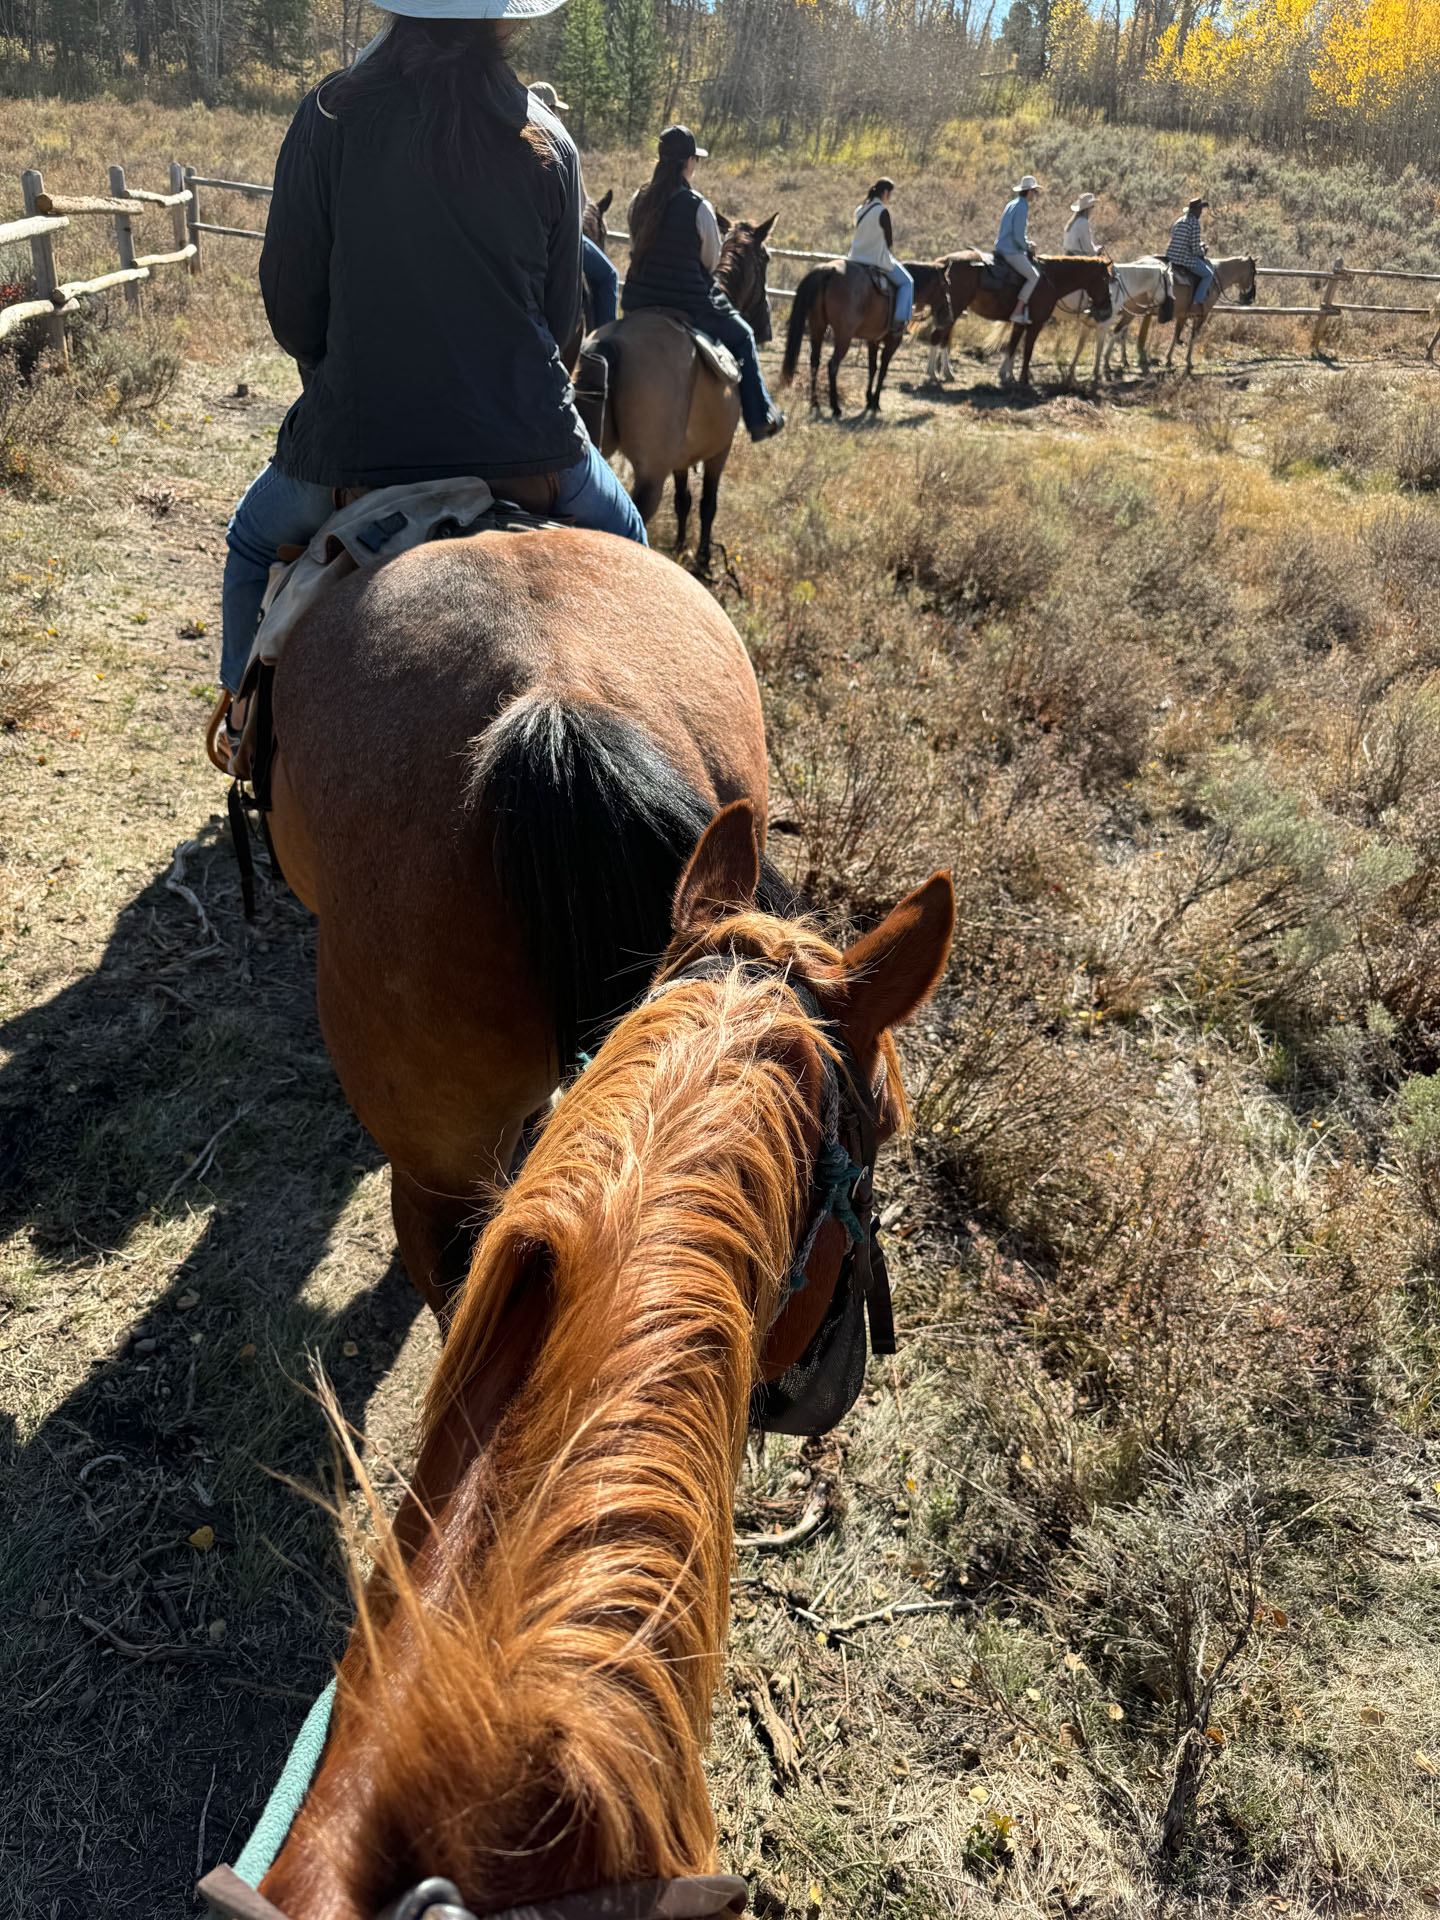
{"points": [[47, 215]]}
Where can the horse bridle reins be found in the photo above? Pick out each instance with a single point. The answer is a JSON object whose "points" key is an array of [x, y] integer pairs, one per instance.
{"points": [[841, 1188]]}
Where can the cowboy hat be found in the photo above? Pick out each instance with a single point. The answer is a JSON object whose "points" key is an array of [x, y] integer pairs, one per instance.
{"points": [[1029, 185], [472, 9], [1085, 201], [1195, 205], [542, 91]]}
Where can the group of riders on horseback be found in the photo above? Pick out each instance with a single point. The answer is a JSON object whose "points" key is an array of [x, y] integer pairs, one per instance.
{"points": [[431, 130]]}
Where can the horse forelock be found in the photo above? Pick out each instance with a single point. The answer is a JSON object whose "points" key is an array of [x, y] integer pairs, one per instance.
{"points": [[530, 1719]]}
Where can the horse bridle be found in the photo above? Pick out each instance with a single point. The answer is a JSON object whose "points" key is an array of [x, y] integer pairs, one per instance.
{"points": [[816, 1392], [696, 1897]]}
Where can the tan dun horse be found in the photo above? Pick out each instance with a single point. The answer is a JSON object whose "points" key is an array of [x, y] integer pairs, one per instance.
{"points": [[668, 411], [495, 755], [526, 1695], [968, 278], [841, 298], [1235, 274]]}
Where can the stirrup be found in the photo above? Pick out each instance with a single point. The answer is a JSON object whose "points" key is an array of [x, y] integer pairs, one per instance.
{"points": [[221, 738]]}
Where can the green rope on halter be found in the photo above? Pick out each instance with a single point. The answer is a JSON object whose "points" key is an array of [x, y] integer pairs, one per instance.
{"points": [[835, 1177], [290, 1789]]}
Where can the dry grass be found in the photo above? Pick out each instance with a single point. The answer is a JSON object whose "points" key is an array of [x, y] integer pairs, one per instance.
{"points": [[1160, 1450]]}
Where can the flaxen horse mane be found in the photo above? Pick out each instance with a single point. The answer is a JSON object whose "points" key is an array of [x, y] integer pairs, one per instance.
{"points": [[534, 1705]]}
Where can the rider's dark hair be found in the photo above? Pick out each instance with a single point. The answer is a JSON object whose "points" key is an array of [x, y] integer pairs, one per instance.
{"points": [[650, 202], [451, 81], [882, 185]]}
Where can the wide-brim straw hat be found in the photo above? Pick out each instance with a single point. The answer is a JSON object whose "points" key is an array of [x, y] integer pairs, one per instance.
{"points": [[1028, 185], [1083, 204], [472, 9]]}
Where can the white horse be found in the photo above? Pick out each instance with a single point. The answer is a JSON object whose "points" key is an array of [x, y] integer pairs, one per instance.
{"points": [[1139, 289]]}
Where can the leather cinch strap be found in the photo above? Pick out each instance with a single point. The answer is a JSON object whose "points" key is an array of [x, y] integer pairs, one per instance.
{"points": [[697, 1897]]}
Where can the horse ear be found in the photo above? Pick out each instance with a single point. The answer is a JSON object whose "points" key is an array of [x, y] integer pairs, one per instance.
{"points": [[897, 966], [602, 205], [762, 232], [722, 222], [722, 873]]}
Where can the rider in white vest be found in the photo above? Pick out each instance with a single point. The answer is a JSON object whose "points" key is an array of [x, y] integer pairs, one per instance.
{"points": [[1078, 237], [871, 243]]}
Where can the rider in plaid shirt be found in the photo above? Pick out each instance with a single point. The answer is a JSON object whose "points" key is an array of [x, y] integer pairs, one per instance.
{"points": [[1187, 249]]}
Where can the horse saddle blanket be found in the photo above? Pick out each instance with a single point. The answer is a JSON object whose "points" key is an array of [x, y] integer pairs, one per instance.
{"points": [[363, 533], [881, 282], [995, 276]]}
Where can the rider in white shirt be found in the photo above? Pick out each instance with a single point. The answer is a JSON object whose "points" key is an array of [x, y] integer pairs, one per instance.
{"points": [[1078, 237], [872, 242]]}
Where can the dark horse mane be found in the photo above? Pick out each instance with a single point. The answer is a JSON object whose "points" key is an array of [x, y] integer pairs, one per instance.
{"points": [[593, 826]]}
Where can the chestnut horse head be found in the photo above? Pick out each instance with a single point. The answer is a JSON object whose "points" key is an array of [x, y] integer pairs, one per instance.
{"points": [[592, 219], [526, 1695]]}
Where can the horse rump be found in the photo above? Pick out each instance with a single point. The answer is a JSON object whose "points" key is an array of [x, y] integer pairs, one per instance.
{"points": [[592, 830]]}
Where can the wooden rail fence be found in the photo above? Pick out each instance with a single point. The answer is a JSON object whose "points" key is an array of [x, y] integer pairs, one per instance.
{"points": [[47, 215]]}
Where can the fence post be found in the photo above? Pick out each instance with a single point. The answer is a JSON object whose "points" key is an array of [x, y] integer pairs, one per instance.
{"points": [[125, 239], [1327, 304], [179, 225], [192, 215], [42, 261]]}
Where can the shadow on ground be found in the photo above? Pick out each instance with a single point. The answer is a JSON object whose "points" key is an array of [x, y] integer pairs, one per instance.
{"points": [[175, 1161]]}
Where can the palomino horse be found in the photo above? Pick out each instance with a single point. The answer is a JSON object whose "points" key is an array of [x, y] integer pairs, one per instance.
{"points": [[526, 1695], [667, 410], [1233, 275], [841, 297], [1060, 274], [494, 757]]}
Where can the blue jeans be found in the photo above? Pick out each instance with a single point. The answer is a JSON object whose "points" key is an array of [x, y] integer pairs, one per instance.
{"points": [[1204, 281], [904, 293], [603, 282], [725, 325], [278, 511]]}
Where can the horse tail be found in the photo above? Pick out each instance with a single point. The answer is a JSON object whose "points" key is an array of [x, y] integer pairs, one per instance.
{"points": [[592, 829], [806, 294]]}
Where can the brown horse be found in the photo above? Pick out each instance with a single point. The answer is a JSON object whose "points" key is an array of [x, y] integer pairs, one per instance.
{"points": [[842, 299], [668, 411], [1060, 275], [1235, 274], [526, 1695], [495, 755], [592, 220]]}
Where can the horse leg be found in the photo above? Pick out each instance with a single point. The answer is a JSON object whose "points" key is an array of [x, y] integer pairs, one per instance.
{"points": [[841, 349], [1196, 323], [1031, 335], [872, 390], [435, 1234], [817, 342], [682, 506], [709, 500], [1007, 358], [646, 494], [891, 347]]}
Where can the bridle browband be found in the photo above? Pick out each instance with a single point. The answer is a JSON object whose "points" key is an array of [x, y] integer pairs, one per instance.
{"points": [[810, 1397], [696, 1897]]}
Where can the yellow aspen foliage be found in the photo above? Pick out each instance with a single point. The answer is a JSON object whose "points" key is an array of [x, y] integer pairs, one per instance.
{"points": [[1379, 59]]}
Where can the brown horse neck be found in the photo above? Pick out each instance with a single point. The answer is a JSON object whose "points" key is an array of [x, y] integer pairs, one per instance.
{"points": [[523, 1710]]}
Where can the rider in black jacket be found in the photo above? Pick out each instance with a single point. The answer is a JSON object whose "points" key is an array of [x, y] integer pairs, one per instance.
{"points": [[674, 248], [422, 266]]}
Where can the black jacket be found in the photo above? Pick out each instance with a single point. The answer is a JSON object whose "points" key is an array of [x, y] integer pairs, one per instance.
{"points": [[429, 325], [672, 273]]}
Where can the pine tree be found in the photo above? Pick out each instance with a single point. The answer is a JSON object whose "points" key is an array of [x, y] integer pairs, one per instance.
{"points": [[634, 64], [584, 68]]}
